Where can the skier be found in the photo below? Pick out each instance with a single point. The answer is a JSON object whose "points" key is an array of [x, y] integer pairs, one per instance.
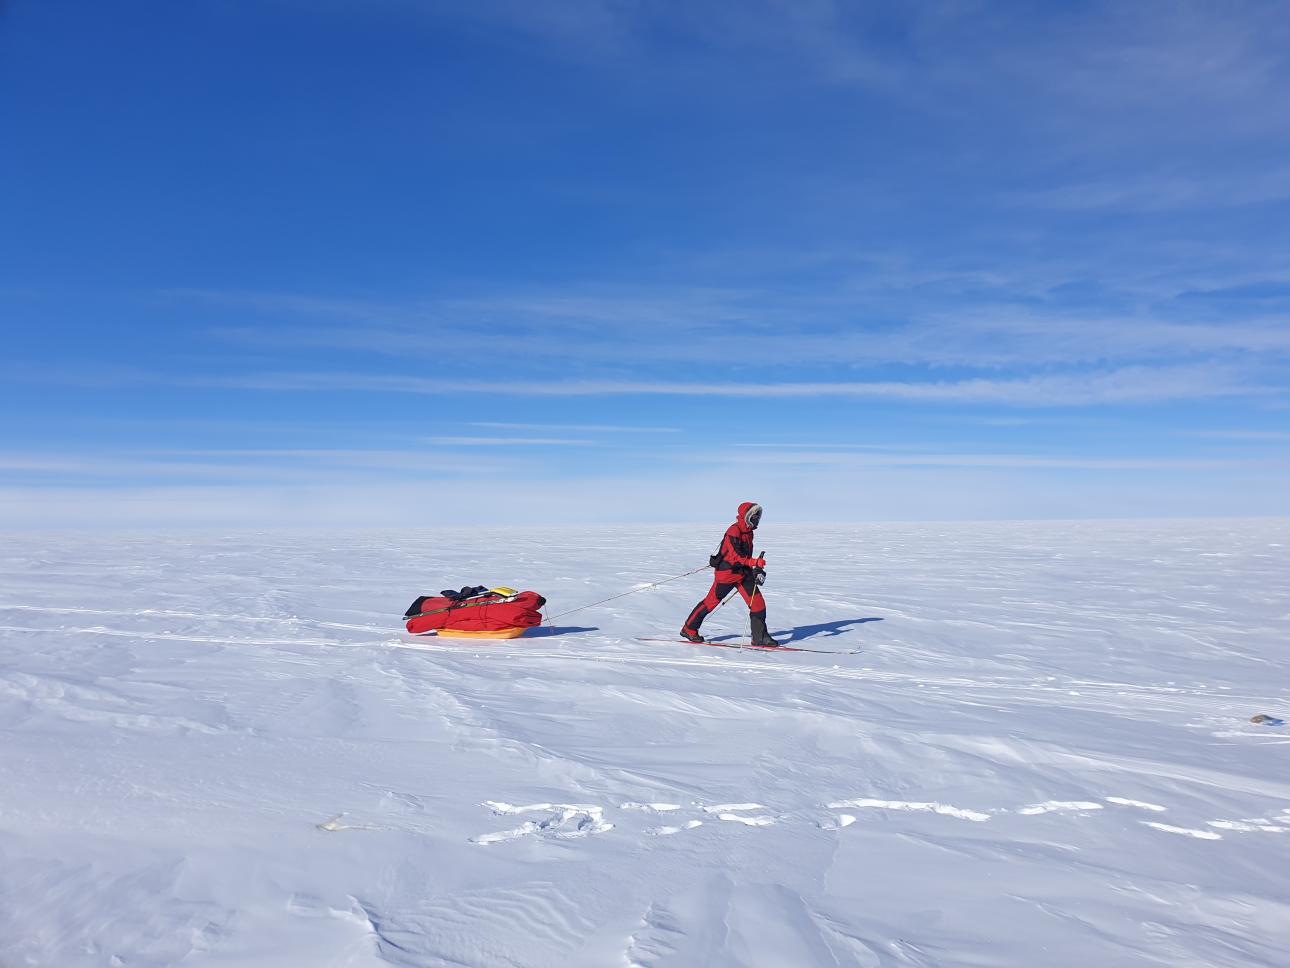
{"points": [[736, 568]]}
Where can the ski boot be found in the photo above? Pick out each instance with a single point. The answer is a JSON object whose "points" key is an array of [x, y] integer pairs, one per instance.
{"points": [[760, 636]]}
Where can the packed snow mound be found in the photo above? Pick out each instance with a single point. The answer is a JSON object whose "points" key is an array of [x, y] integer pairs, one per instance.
{"points": [[224, 750]]}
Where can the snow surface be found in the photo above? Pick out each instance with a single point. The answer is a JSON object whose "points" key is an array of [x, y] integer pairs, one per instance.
{"points": [[220, 751]]}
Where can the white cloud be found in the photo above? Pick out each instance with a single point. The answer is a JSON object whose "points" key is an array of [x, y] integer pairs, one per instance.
{"points": [[1163, 191], [789, 492], [243, 465], [510, 442], [687, 325], [789, 455], [1272, 436], [577, 428], [1129, 385]]}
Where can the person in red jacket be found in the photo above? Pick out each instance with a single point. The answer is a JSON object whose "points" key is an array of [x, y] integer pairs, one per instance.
{"points": [[736, 568]]}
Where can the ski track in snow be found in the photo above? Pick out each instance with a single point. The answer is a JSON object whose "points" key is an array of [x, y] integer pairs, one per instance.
{"points": [[667, 830], [941, 808], [590, 818], [222, 750], [1124, 802], [1056, 806], [563, 821], [1184, 831]]}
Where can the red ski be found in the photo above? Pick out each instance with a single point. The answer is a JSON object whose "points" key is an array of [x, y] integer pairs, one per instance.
{"points": [[748, 646]]}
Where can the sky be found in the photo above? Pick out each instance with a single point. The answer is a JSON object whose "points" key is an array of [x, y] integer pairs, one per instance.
{"points": [[408, 262]]}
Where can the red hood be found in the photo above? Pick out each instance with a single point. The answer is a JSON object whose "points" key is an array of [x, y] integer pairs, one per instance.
{"points": [[739, 517]]}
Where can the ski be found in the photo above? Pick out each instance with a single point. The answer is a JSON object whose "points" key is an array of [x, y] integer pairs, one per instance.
{"points": [[748, 646]]}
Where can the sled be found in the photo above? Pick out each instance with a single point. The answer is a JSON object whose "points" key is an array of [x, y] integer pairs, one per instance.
{"points": [[476, 612], [514, 633]]}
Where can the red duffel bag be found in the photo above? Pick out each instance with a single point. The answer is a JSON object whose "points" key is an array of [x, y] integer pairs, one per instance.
{"points": [[492, 615]]}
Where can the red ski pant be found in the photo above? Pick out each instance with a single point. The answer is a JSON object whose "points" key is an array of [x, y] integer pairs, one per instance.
{"points": [[722, 584]]}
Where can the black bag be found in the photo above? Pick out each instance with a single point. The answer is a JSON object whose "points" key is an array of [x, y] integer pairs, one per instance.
{"points": [[467, 591]]}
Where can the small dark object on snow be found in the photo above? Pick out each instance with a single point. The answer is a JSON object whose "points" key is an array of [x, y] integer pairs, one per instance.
{"points": [[1263, 719]]}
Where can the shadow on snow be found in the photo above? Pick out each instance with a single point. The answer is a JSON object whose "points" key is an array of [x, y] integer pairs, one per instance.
{"points": [[545, 631], [808, 631], [828, 628]]}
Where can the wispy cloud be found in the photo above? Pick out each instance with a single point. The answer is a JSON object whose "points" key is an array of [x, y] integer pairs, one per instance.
{"points": [[1036, 338], [578, 428], [1125, 385], [242, 465], [655, 495], [1129, 385], [837, 458], [510, 442], [1271, 436], [825, 446], [846, 327], [1165, 191]]}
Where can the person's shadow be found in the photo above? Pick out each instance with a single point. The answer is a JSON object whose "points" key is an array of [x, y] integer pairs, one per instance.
{"points": [[545, 631], [827, 628], [806, 631]]}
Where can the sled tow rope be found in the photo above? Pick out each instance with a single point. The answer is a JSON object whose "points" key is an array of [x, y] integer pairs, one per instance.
{"points": [[642, 588]]}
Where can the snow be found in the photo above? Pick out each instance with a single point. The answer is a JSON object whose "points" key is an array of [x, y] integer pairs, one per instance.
{"points": [[218, 750]]}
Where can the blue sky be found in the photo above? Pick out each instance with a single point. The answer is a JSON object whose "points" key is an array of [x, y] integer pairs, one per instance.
{"points": [[403, 261]]}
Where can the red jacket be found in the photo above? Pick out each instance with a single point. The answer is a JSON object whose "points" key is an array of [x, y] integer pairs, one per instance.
{"points": [[736, 553]]}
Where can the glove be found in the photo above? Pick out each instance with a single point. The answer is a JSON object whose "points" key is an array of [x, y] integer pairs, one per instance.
{"points": [[757, 563], [759, 577]]}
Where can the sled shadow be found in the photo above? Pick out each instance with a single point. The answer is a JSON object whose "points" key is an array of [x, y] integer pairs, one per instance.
{"points": [[546, 631], [827, 628]]}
